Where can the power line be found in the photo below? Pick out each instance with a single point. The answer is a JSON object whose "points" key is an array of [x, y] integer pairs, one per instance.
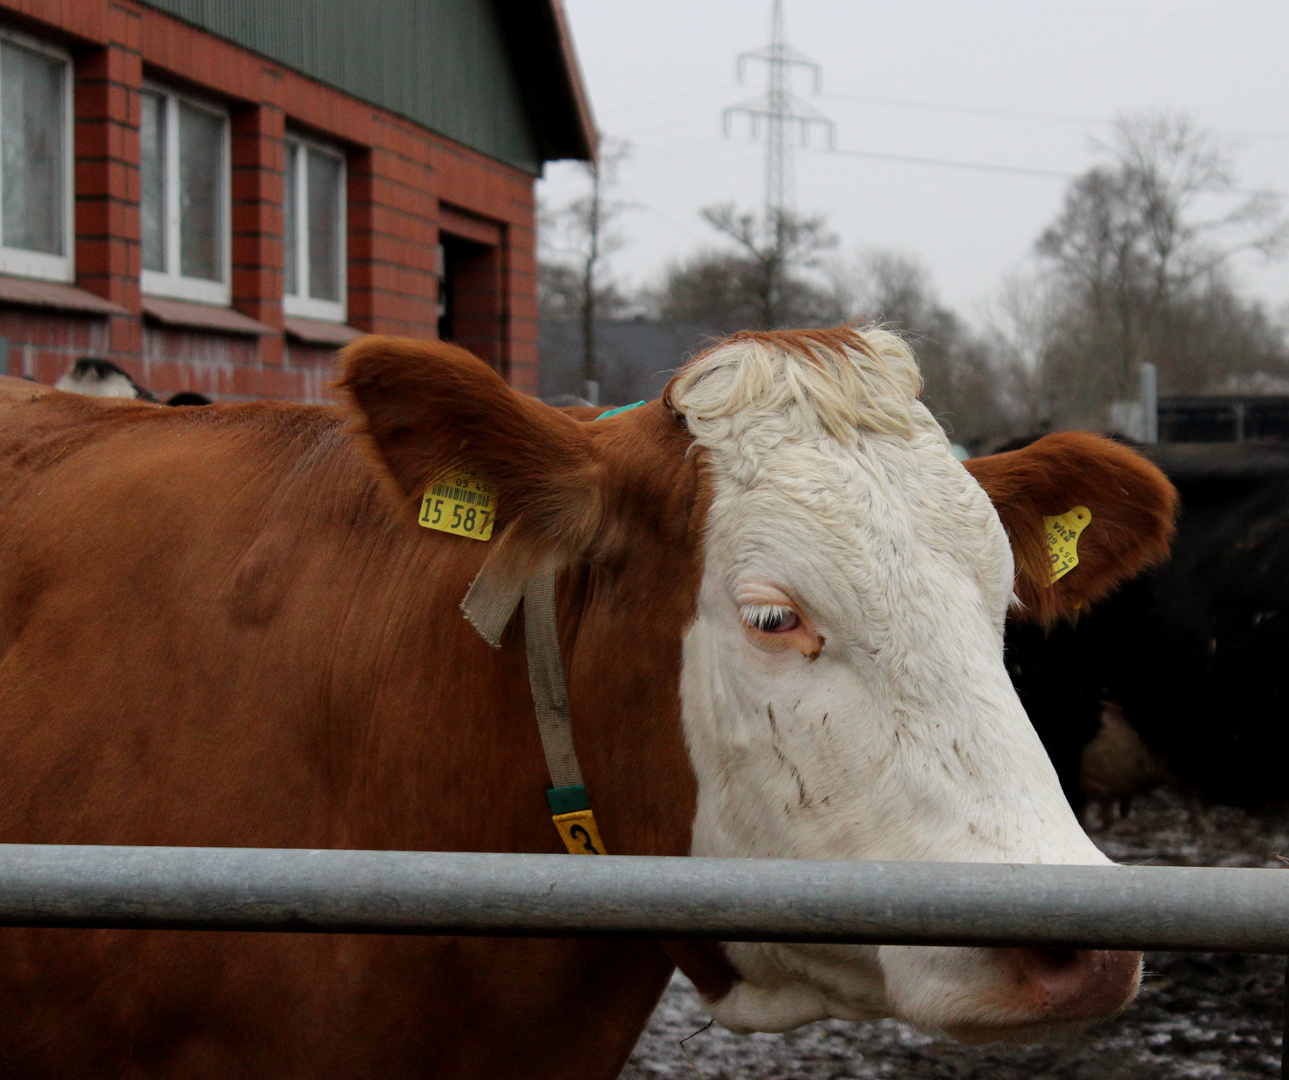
{"points": [[981, 166], [671, 99], [1021, 114], [681, 156], [947, 163], [973, 110]]}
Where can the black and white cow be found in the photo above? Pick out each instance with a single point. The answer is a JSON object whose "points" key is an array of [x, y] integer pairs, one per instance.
{"points": [[97, 377]]}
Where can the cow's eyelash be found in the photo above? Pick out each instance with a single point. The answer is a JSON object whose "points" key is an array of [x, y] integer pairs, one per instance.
{"points": [[769, 618]]}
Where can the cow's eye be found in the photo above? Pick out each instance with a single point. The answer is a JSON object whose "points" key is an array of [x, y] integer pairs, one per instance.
{"points": [[770, 618]]}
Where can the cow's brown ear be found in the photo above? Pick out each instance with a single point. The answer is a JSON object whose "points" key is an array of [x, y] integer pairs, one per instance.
{"points": [[427, 410], [1132, 503]]}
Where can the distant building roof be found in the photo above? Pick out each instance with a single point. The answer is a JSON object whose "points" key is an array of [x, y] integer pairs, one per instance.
{"points": [[636, 357], [1224, 418]]}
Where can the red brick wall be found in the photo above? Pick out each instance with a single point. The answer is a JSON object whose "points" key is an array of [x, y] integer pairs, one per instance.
{"points": [[258, 170], [398, 174], [520, 257], [311, 367], [43, 345], [221, 366], [393, 237]]}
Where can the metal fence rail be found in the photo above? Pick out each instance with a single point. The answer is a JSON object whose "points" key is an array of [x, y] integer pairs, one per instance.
{"points": [[400, 892], [1150, 907]]}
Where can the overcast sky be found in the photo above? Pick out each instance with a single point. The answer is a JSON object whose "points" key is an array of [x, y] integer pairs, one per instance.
{"points": [[1022, 84]]}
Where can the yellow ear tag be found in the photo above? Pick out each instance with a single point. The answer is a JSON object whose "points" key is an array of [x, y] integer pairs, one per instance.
{"points": [[579, 833], [1063, 539], [461, 505]]}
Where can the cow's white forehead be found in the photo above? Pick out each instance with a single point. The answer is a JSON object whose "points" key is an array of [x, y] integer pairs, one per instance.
{"points": [[904, 738], [832, 479]]}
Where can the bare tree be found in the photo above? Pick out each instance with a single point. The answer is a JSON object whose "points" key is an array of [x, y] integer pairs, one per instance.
{"points": [[579, 239], [1019, 325], [760, 283], [1138, 266], [791, 243], [969, 388]]}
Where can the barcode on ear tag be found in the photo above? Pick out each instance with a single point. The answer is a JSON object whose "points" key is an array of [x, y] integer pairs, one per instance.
{"points": [[1063, 539], [461, 505]]}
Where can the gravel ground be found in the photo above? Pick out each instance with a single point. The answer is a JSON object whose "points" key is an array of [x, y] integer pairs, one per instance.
{"points": [[1197, 1016]]}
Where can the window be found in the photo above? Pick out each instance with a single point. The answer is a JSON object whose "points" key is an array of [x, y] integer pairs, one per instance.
{"points": [[35, 160], [315, 231], [183, 146]]}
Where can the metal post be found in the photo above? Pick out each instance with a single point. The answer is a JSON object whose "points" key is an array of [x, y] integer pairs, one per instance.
{"points": [[1149, 404]]}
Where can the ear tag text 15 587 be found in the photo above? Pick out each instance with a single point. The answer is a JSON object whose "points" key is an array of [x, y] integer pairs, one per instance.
{"points": [[1063, 539], [462, 505]]}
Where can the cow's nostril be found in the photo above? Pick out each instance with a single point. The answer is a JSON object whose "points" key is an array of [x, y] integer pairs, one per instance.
{"points": [[1078, 984], [1055, 959]]}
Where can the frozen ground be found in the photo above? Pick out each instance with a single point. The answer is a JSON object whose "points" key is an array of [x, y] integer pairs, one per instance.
{"points": [[1197, 1016]]}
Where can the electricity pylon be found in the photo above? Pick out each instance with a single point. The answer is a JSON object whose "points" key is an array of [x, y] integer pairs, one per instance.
{"points": [[782, 113]]}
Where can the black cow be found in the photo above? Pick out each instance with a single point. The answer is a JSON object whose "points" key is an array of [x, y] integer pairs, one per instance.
{"points": [[188, 397], [1195, 652]]}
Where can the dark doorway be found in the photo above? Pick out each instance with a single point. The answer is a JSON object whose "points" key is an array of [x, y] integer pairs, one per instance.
{"points": [[471, 297]]}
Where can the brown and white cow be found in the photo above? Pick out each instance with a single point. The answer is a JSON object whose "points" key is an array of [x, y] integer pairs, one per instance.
{"points": [[781, 608]]}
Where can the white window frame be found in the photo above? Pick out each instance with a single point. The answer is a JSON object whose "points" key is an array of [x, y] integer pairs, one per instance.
{"points": [[39, 264], [171, 282], [306, 307]]}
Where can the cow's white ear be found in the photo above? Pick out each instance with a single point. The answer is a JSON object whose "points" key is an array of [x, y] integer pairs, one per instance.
{"points": [[1132, 506], [427, 409]]}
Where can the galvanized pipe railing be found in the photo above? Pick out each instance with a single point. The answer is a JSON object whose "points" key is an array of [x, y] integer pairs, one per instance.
{"points": [[398, 892]]}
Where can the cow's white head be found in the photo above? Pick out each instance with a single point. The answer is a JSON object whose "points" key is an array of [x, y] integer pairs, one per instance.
{"points": [[844, 692], [781, 579]]}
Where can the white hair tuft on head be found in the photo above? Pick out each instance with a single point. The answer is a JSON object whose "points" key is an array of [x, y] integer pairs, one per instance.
{"points": [[834, 382]]}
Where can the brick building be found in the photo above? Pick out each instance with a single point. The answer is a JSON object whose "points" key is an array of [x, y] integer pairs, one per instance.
{"points": [[216, 194]]}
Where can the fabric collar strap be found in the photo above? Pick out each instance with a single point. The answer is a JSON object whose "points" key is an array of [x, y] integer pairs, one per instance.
{"points": [[489, 607]]}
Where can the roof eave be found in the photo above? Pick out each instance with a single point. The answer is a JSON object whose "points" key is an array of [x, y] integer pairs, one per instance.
{"points": [[550, 77]]}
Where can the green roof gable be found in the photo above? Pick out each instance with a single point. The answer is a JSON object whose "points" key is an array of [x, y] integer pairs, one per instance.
{"points": [[458, 67]]}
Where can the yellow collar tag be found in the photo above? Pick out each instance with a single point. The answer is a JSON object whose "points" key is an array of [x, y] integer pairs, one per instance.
{"points": [[461, 505], [1063, 539], [579, 833]]}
